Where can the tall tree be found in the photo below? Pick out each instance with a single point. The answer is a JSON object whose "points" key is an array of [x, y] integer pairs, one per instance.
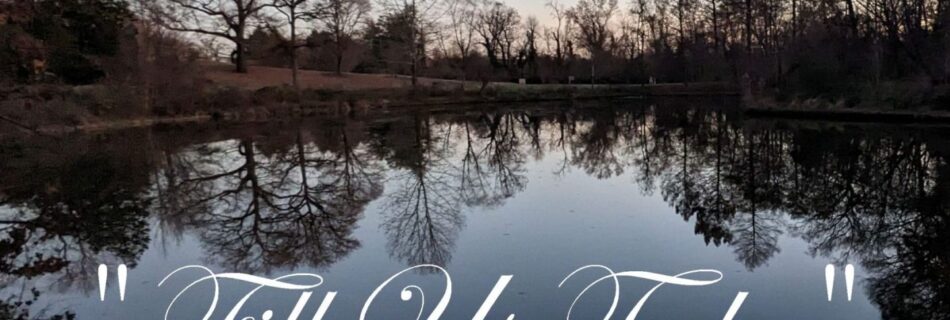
{"points": [[497, 25], [528, 55], [462, 18], [421, 18], [559, 36], [294, 11]]}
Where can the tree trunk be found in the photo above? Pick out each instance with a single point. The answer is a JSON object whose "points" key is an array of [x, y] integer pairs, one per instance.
{"points": [[748, 25], [715, 22], [293, 53], [415, 79], [414, 49], [852, 16], [241, 58], [339, 62], [682, 31], [795, 19], [294, 67], [414, 62], [942, 29]]}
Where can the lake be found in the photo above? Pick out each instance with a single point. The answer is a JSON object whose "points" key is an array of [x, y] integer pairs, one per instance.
{"points": [[532, 191]]}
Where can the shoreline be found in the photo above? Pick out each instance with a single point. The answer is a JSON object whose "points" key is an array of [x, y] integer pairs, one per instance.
{"points": [[383, 107], [272, 113], [274, 103]]}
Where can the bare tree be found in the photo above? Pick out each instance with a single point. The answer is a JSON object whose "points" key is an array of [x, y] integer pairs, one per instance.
{"points": [[422, 17], [294, 11], [463, 16], [226, 19], [593, 18], [498, 25], [528, 55], [625, 44], [341, 18], [559, 36]]}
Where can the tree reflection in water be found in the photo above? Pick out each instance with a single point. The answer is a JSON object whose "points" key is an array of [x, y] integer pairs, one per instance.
{"points": [[423, 217], [272, 198], [292, 203]]}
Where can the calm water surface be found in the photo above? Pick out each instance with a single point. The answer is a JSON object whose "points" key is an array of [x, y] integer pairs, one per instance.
{"points": [[535, 192]]}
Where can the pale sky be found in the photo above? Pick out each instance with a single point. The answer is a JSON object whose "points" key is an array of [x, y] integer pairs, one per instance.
{"points": [[536, 8]]}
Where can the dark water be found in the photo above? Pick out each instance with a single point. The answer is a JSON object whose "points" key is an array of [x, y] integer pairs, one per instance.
{"points": [[534, 192]]}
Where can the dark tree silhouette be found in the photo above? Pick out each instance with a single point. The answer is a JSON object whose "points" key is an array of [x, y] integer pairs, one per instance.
{"points": [[423, 214], [296, 207]]}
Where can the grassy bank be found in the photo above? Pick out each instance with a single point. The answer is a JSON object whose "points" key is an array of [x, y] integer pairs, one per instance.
{"points": [[53, 109]]}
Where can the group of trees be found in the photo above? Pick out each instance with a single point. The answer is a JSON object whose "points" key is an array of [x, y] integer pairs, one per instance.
{"points": [[65, 37], [783, 43], [233, 20], [809, 46], [141, 67]]}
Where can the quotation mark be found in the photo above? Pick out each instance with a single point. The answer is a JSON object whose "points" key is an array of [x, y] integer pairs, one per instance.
{"points": [[848, 279], [104, 279]]}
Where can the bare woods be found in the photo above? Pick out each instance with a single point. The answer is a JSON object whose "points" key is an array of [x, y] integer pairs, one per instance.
{"points": [[849, 52]]}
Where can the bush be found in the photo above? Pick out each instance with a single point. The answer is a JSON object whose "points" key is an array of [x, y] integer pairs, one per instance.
{"points": [[227, 98]]}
